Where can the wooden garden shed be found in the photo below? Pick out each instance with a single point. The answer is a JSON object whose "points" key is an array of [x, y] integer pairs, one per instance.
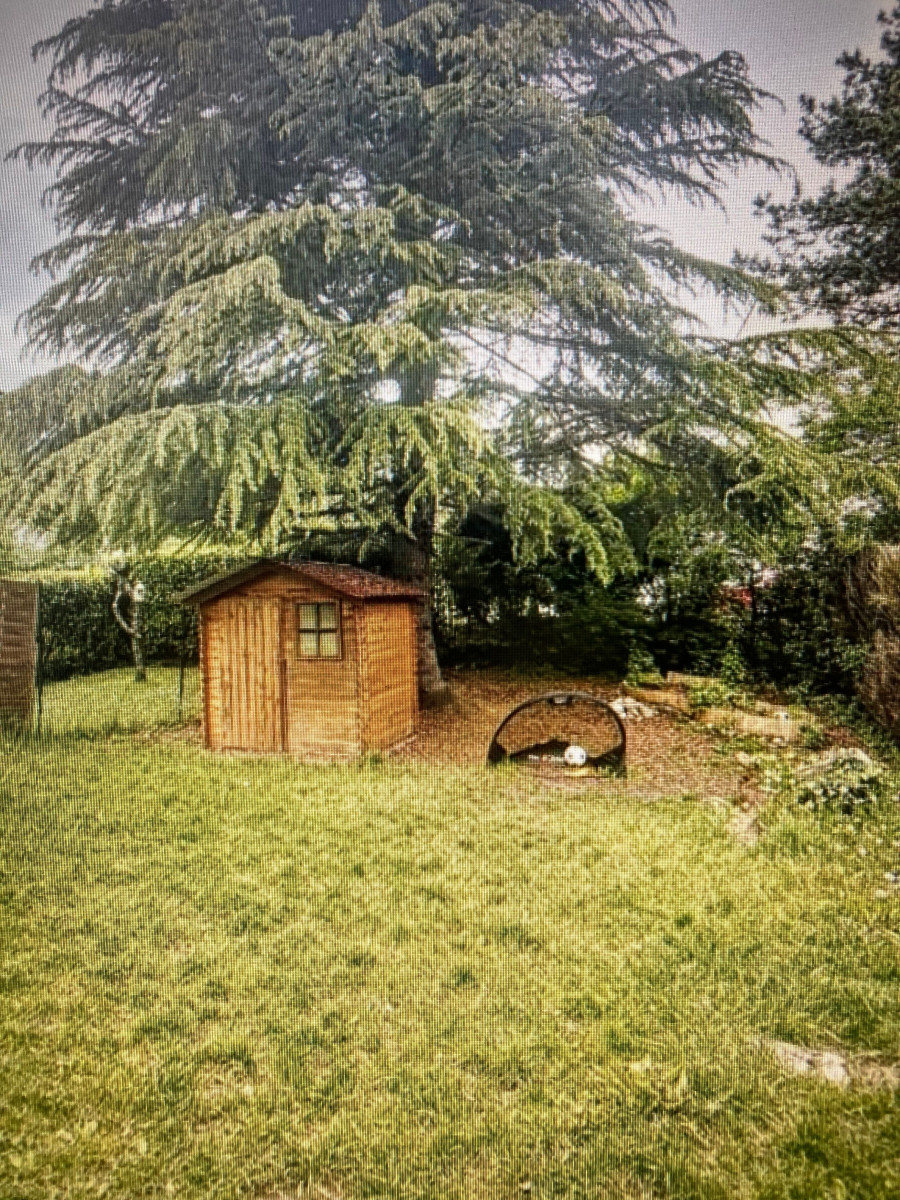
{"points": [[309, 659]]}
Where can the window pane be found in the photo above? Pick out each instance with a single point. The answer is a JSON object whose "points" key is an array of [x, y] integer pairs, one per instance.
{"points": [[308, 616], [328, 616], [328, 645], [308, 645]]}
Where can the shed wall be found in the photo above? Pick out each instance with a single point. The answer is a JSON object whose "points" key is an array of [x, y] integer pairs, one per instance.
{"points": [[388, 673], [18, 651]]}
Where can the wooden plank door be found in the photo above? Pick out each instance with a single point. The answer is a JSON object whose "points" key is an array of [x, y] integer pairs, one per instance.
{"points": [[252, 675]]}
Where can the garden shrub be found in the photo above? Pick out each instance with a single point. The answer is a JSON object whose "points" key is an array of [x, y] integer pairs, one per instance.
{"points": [[595, 630], [77, 628], [843, 780], [800, 631], [712, 693], [795, 631], [553, 615], [642, 668], [874, 596], [689, 634]]}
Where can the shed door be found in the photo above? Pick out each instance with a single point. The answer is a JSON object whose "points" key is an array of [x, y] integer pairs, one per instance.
{"points": [[252, 675]]}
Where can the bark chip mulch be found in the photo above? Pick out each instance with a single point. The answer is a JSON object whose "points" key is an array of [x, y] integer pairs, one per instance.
{"points": [[668, 755]]}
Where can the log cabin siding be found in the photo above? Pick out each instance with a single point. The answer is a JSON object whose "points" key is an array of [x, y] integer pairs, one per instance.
{"points": [[243, 696], [324, 692], [321, 717], [387, 670], [260, 694]]}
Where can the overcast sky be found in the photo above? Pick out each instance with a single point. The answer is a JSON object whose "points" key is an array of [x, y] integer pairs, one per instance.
{"points": [[790, 45]]}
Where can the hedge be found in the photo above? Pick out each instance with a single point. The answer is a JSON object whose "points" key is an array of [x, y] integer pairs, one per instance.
{"points": [[81, 635]]}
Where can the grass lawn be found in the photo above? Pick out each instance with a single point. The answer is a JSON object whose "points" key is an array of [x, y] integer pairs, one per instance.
{"points": [[234, 977]]}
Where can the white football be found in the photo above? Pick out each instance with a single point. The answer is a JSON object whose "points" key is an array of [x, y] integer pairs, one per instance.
{"points": [[575, 756]]}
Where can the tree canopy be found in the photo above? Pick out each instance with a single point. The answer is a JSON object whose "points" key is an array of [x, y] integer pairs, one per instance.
{"points": [[285, 338], [839, 250], [161, 109], [837, 253]]}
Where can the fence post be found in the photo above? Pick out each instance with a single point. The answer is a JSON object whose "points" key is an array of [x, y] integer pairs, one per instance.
{"points": [[39, 668]]}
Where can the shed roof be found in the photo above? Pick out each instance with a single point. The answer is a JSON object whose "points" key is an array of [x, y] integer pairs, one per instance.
{"points": [[347, 581]]}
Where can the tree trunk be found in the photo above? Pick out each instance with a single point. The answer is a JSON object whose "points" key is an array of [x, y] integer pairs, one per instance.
{"points": [[412, 553], [133, 592], [137, 647], [411, 559]]}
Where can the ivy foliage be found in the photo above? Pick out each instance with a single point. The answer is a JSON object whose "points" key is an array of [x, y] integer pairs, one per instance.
{"points": [[846, 780]]}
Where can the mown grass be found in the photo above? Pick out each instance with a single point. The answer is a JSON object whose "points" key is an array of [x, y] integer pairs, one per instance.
{"points": [[112, 703], [228, 977]]}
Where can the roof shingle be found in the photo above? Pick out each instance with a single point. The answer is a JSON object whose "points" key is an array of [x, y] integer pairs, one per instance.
{"points": [[349, 581]]}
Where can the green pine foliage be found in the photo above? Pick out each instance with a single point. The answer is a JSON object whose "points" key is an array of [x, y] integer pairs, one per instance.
{"points": [[804, 451], [839, 249], [159, 108], [318, 228]]}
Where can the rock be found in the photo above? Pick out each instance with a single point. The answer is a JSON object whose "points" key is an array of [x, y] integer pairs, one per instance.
{"points": [[735, 721], [803, 1061], [677, 679], [746, 828], [833, 1067], [632, 710], [842, 755], [743, 759]]}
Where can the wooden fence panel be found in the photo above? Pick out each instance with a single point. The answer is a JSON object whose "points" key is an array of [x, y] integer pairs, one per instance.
{"points": [[18, 648]]}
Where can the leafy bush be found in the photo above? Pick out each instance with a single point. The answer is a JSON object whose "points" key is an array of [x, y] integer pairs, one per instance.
{"points": [[843, 780], [733, 670], [78, 630], [682, 570], [799, 632], [850, 713], [796, 630], [596, 632], [553, 615], [711, 693], [642, 668], [813, 738], [600, 631]]}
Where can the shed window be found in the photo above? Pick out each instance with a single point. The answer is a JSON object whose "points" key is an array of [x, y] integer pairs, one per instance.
{"points": [[319, 633]]}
